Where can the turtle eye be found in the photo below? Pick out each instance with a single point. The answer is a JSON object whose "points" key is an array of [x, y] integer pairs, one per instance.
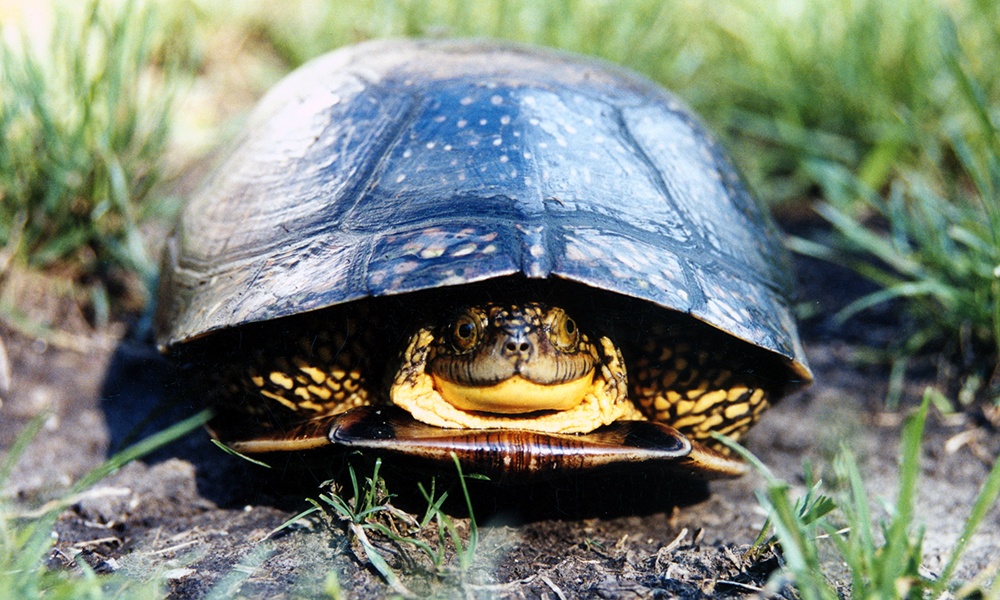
{"points": [[465, 332], [563, 330]]}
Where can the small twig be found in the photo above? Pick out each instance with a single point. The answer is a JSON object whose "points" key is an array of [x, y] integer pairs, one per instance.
{"points": [[959, 440], [661, 554], [743, 586], [58, 504], [552, 586], [5, 376], [733, 558], [697, 536], [842, 531], [502, 587], [97, 542], [174, 548], [676, 541]]}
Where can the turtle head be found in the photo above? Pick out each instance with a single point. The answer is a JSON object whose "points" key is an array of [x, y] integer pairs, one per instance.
{"points": [[525, 366], [512, 359]]}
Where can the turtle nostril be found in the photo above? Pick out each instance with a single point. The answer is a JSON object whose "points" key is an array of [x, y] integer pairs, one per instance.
{"points": [[516, 347]]}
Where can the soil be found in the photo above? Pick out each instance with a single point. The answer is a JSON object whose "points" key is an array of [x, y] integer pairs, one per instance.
{"points": [[204, 521]]}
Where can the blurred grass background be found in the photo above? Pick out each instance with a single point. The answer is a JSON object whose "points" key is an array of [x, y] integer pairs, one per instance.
{"points": [[880, 115]]}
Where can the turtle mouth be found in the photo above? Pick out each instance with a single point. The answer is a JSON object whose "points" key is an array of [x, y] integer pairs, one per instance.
{"points": [[516, 395]]}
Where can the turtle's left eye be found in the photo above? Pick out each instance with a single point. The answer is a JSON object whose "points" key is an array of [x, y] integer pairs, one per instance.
{"points": [[563, 330]]}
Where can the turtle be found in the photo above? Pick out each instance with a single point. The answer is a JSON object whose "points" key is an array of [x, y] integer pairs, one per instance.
{"points": [[530, 260]]}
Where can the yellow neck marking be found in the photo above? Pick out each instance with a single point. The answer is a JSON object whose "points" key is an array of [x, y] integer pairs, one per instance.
{"points": [[515, 395]]}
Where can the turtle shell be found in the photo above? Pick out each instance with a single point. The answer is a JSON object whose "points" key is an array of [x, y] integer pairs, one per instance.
{"points": [[411, 167], [395, 166]]}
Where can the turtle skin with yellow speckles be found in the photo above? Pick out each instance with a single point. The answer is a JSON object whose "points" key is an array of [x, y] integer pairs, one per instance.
{"points": [[533, 260]]}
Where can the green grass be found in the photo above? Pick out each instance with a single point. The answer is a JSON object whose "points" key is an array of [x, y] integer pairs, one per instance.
{"points": [[84, 123], [932, 240], [883, 563], [383, 531], [26, 537]]}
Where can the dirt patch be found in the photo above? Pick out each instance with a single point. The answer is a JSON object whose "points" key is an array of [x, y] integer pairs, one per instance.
{"points": [[203, 520]]}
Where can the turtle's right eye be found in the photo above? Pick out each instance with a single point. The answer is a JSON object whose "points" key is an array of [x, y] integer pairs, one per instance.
{"points": [[465, 332]]}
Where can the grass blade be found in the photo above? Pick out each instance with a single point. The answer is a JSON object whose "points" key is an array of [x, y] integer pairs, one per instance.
{"points": [[985, 500]]}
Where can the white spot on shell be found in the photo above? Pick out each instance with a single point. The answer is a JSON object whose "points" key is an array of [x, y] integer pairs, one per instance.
{"points": [[466, 101], [504, 158], [497, 141], [537, 250], [464, 250], [489, 249], [527, 155], [439, 119], [574, 254], [400, 178], [461, 123], [407, 153], [405, 267], [432, 252], [447, 147], [496, 100], [430, 145], [505, 120], [483, 121]]}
